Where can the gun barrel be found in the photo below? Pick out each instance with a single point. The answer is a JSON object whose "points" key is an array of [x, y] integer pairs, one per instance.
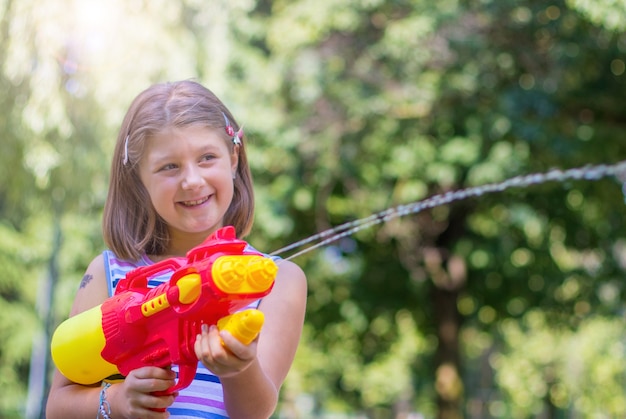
{"points": [[244, 325]]}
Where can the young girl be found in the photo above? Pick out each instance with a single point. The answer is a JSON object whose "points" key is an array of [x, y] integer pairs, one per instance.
{"points": [[179, 173]]}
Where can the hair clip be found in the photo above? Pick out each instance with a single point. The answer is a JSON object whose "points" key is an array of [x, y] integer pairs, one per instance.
{"points": [[238, 136], [125, 151], [230, 131]]}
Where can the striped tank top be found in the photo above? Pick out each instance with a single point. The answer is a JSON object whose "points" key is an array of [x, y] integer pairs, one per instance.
{"points": [[204, 398]]}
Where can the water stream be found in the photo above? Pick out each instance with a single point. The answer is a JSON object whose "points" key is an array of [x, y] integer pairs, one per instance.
{"points": [[590, 172]]}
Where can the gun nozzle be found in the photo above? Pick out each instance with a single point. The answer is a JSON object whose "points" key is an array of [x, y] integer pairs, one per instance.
{"points": [[261, 273], [244, 274], [228, 273]]}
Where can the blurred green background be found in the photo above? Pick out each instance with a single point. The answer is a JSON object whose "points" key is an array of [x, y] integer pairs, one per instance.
{"points": [[507, 305]]}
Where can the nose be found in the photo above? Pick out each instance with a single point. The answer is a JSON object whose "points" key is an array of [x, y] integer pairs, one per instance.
{"points": [[192, 178]]}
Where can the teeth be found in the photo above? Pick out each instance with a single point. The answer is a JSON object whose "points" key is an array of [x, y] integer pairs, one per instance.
{"points": [[192, 203]]}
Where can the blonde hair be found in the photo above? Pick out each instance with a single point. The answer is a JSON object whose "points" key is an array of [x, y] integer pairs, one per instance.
{"points": [[131, 225]]}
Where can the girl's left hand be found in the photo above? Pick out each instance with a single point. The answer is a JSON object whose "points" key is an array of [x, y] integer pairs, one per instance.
{"points": [[222, 353]]}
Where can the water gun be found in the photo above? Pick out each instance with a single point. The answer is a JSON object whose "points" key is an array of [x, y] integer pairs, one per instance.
{"points": [[141, 326]]}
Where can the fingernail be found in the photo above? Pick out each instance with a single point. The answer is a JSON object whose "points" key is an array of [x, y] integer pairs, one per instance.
{"points": [[205, 328]]}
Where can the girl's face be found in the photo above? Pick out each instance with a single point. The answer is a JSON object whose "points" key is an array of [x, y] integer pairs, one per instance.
{"points": [[188, 173]]}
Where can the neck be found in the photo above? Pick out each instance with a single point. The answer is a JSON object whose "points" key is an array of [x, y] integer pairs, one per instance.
{"points": [[181, 244]]}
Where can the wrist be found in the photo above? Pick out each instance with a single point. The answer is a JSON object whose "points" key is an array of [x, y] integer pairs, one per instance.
{"points": [[250, 393], [104, 408], [242, 371], [252, 376]]}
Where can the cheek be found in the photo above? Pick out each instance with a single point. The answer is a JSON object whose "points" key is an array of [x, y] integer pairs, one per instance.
{"points": [[158, 192], [228, 190], [226, 181]]}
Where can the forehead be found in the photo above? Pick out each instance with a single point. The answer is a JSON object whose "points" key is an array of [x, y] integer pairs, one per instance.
{"points": [[179, 139]]}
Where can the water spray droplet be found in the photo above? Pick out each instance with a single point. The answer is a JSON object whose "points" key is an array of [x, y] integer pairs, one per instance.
{"points": [[620, 174], [589, 172]]}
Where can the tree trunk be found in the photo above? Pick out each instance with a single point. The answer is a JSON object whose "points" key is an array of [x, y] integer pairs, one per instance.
{"points": [[38, 380], [448, 383]]}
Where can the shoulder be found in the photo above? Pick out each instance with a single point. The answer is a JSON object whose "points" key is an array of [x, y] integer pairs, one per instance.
{"points": [[95, 271], [92, 289], [290, 284], [289, 271]]}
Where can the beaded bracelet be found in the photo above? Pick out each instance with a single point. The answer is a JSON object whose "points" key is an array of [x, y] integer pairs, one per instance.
{"points": [[104, 410]]}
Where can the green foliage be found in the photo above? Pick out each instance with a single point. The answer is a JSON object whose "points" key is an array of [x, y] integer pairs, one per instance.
{"points": [[21, 256], [610, 14], [581, 370], [414, 100], [351, 107]]}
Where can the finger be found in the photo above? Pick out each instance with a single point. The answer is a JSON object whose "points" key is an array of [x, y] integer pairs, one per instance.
{"points": [[203, 346], [240, 350], [151, 380], [161, 402], [154, 372], [216, 344]]}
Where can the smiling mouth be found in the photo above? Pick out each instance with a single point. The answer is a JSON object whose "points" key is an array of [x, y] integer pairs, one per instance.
{"points": [[194, 203]]}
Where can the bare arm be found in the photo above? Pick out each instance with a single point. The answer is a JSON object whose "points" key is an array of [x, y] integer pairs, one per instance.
{"points": [[69, 400], [252, 375]]}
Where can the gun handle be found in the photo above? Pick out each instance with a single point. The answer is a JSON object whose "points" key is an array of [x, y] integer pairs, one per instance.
{"points": [[186, 374]]}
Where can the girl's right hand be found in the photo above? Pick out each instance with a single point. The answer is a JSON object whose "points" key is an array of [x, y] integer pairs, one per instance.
{"points": [[135, 396]]}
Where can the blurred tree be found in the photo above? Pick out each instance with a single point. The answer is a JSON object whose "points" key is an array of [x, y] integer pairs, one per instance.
{"points": [[396, 101], [69, 69], [581, 373], [352, 107]]}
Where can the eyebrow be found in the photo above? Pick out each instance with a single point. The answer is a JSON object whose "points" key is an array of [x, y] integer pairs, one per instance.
{"points": [[162, 158]]}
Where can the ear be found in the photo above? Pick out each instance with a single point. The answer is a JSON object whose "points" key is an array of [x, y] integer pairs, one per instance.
{"points": [[234, 160]]}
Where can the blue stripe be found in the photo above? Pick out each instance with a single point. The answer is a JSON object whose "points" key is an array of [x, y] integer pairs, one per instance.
{"points": [[152, 283], [189, 413], [107, 263], [117, 271], [207, 377]]}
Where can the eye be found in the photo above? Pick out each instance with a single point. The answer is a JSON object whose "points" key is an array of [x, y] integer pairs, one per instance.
{"points": [[169, 166], [207, 157]]}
